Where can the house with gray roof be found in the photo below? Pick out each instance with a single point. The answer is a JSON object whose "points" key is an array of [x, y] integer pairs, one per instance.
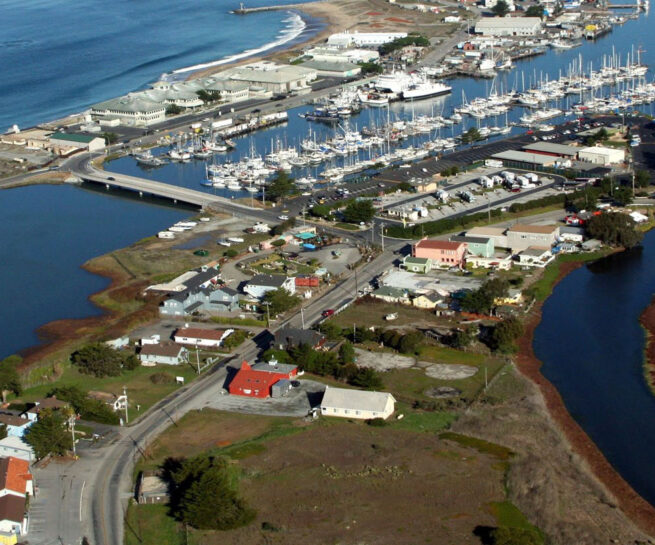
{"points": [[201, 300], [164, 353], [417, 264], [260, 284], [290, 337]]}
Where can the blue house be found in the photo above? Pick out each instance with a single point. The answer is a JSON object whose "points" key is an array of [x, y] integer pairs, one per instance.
{"points": [[220, 299], [15, 425]]}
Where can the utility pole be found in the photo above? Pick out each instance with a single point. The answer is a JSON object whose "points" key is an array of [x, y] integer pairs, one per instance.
{"points": [[356, 283], [382, 235], [197, 358], [127, 421], [302, 317], [268, 313], [71, 421]]}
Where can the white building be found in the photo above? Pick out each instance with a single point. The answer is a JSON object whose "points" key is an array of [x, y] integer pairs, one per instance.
{"points": [[508, 26], [600, 155], [489, 4], [201, 337], [260, 284], [164, 353], [133, 110], [60, 141], [272, 77], [16, 447], [333, 54], [357, 404], [363, 39]]}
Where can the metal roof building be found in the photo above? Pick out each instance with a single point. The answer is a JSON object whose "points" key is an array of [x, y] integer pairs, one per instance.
{"points": [[523, 159], [508, 26], [548, 148]]}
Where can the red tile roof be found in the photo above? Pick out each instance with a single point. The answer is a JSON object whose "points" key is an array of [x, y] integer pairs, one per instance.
{"points": [[14, 474]]}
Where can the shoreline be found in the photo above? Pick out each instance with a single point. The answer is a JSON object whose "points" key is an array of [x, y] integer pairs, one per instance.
{"points": [[629, 501], [647, 321]]}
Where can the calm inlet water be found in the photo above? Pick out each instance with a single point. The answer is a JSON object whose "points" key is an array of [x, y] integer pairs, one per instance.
{"points": [[48, 232], [591, 345]]}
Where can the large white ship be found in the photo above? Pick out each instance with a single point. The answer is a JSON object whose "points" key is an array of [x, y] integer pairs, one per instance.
{"points": [[395, 82], [425, 89]]}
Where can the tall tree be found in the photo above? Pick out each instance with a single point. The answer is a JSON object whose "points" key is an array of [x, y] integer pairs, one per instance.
{"points": [[280, 300], [281, 186], [49, 434], [206, 497], [615, 229], [501, 8], [358, 211]]}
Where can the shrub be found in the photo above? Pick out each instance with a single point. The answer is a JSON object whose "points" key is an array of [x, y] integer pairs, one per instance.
{"points": [[377, 422], [162, 377]]}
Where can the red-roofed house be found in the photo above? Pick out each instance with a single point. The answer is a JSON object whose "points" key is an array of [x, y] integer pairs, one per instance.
{"points": [[15, 477], [257, 380], [441, 252], [201, 337]]}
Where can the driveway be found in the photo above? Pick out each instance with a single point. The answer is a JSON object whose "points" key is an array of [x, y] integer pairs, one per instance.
{"points": [[297, 402]]}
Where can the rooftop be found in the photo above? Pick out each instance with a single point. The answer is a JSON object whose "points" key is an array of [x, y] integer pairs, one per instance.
{"points": [[537, 229], [13, 420], [12, 508], [78, 138], [507, 22], [355, 399], [132, 103], [14, 474], [524, 157], [548, 147], [416, 260], [485, 231], [331, 66], [437, 244], [163, 349], [199, 333], [271, 280], [469, 239]]}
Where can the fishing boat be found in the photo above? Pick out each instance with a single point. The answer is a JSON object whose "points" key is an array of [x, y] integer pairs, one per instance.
{"points": [[146, 158]]}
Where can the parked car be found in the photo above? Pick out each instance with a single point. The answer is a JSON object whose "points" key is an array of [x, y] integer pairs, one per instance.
{"points": [[327, 312], [283, 217]]}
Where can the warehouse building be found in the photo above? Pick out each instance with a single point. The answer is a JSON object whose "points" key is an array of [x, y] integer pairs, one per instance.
{"points": [[363, 39], [508, 26], [553, 150], [600, 155], [64, 144], [357, 404], [132, 110], [275, 78], [524, 160], [333, 69], [521, 236], [333, 54]]}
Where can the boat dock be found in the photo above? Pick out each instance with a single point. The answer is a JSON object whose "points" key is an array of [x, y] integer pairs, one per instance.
{"points": [[243, 10]]}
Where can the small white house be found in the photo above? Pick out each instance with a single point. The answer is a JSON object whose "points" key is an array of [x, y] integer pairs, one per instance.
{"points": [[260, 284], [165, 353], [357, 404], [201, 337], [16, 447]]}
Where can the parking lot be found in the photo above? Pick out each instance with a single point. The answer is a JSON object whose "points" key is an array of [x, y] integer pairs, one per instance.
{"points": [[297, 402]]}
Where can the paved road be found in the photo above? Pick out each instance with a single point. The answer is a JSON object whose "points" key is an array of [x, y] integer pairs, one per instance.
{"points": [[114, 463]]}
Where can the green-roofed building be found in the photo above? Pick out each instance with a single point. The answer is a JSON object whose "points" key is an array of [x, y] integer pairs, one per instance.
{"points": [[417, 264]]}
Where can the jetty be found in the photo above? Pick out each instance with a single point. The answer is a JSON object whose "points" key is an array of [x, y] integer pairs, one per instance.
{"points": [[243, 10]]}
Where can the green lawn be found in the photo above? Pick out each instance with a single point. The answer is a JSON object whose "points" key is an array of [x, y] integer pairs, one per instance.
{"points": [[346, 226], [140, 389], [444, 354], [485, 447], [421, 421], [150, 524]]}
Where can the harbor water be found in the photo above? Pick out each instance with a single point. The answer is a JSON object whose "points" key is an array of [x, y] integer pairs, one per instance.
{"points": [[64, 58]]}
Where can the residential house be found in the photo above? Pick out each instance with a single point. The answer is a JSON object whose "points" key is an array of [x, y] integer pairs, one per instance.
{"points": [[165, 353], [477, 246], [46, 403], [13, 517], [535, 256], [201, 337], [417, 264], [521, 236], [441, 252], [15, 477], [569, 233], [220, 299], [496, 234], [260, 284], [360, 404], [16, 447], [15, 425], [290, 337], [257, 380], [500, 264], [391, 295], [427, 300], [116, 402]]}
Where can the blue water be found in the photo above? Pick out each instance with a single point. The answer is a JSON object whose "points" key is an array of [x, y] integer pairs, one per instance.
{"points": [[59, 57], [48, 232], [591, 344]]}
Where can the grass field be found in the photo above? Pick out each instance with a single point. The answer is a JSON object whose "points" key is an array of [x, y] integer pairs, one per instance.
{"points": [[332, 480], [140, 389], [372, 312]]}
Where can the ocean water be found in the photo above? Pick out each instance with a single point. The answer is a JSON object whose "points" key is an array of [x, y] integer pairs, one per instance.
{"points": [[59, 57]]}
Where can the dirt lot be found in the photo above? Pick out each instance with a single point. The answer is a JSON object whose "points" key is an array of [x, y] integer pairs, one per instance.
{"points": [[551, 484]]}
